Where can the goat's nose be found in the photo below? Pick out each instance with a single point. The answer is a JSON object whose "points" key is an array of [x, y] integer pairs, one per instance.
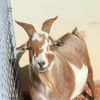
{"points": [[41, 63]]}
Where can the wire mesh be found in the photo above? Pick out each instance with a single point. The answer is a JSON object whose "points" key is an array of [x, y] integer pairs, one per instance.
{"points": [[9, 73]]}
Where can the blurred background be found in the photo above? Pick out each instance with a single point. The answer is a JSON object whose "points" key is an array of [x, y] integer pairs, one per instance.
{"points": [[85, 14]]}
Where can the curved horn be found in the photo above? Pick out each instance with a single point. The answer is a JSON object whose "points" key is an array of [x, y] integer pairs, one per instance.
{"points": [[27, 27], [47, 24]]}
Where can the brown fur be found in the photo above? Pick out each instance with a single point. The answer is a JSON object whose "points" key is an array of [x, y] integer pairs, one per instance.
{"points": [[72, 42], [63, 73], [27, 27], [73, 49], [59, 77], [47, 24]]}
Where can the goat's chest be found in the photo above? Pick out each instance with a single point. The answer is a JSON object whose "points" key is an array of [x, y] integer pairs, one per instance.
{"points": [[41, 94], [81, 75], [46, 94]]}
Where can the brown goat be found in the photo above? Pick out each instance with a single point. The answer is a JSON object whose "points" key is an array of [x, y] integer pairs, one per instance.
{"points": [[56, 71]]}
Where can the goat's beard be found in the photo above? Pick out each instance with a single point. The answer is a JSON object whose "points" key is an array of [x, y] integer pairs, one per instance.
{"points": [[47, 79]]}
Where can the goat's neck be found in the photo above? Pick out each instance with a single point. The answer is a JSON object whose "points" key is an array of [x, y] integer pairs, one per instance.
{"points": [[35, 80], [37, 83], [51, 76], [42, 81]]}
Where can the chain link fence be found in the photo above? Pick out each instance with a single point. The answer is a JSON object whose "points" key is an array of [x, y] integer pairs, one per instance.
{"points": [[9, 73]]}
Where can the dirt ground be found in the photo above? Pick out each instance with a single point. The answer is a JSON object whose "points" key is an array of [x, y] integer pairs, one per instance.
{"points": [[97, 87]]}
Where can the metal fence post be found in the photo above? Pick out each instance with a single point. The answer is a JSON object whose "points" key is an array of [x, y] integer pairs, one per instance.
{"points": [[8, 91]]}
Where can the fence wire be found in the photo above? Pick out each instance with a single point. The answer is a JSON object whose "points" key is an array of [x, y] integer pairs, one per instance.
{"points": [[9, 73]]}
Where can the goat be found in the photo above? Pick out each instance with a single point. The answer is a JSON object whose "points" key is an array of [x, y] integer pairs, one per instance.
{"points": [[60, 69]]}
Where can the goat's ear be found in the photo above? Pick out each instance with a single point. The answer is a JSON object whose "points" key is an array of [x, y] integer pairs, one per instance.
{"points": [[47, 24], [58, 43], [27, 27], [22, 48]]}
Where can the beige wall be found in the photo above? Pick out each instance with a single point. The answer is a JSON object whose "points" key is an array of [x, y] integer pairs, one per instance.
{"points": [[85, 14]]}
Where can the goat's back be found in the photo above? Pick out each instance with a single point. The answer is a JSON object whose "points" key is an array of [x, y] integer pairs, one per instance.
{"points": [[74, 49]]}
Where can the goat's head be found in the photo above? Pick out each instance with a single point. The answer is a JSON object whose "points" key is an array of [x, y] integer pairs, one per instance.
{"points": [[40, 45]]}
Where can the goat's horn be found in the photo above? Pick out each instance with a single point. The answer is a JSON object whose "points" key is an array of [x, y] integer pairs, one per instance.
{"points": [[47, 24], [27, 27]]}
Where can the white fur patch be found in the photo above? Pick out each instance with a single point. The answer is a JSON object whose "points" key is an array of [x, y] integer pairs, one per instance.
{"points": [[45, 47], [36, 37], [42, 57], [42, 97], [80, 79], [46, 44], [35, 63], [44, 33]]}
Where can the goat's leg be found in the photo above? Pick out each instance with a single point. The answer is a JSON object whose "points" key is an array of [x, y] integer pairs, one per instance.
{"points": [[90, 83], [92, 88], [86, 95]]}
